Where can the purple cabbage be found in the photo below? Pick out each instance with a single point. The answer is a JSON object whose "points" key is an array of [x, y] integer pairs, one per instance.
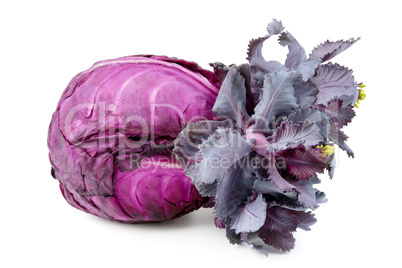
{"points": [[276, 130], [111, 137]]}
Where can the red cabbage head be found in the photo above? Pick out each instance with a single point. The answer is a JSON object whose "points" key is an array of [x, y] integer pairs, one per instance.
{"points": [[111, 137]]}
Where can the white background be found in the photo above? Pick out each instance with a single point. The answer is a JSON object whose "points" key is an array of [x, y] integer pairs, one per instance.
{"points": [[45, 43]]}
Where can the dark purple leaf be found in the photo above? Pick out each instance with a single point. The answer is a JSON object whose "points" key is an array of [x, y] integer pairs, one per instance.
{"points": [[220, 70], [233, 189], [331, 166], [333, 81], [304, 163], [275, 27], [308, 116], [254, 55], [278, 98], [206, 189], [257, 61], [305, 219], [231, 100], [291, 206], [219, 223], [281, 220], [252, 246], [308, 68], [230, 233], [290, 135], [252, 94], [307, 195], [349, 100], [268, 187], [338, 137], [281, 241], [296, 53], [305, 93], [276, 178], [251, 217], [336, 114], [327, 50]]}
